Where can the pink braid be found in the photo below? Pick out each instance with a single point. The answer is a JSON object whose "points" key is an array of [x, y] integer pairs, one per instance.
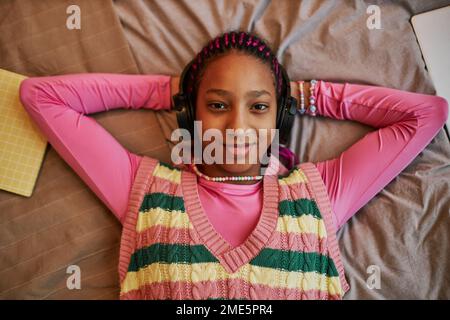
{"points": [[249, 41], [242, 41], [241, 38]]}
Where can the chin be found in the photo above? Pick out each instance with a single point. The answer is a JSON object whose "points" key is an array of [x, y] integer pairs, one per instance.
{"points": [[237, 169]]}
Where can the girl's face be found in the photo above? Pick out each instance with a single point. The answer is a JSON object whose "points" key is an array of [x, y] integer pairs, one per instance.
{"points": [[237, 91]]}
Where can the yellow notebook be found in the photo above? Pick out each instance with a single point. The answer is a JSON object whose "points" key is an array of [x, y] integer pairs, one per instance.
{"points": [[22, 145]]}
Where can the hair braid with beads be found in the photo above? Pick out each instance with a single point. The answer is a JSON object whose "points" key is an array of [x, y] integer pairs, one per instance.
{"points": [[241, 41]]}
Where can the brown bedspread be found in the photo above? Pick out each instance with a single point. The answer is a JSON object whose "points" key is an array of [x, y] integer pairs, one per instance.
{"points": [[63, 223]]}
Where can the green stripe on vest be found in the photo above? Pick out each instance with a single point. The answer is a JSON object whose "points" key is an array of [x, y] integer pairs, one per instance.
{"points": [[299, 207], [294, 208], [269, 258], [162, 200], [286, 175], [169, 253], [295, 261], [164, 164]]}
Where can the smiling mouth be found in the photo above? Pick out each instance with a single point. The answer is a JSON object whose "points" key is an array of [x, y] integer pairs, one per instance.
{"points": [[237, 149], [241, 145]]}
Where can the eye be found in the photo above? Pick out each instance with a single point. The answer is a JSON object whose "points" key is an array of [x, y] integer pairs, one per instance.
{"points": [[260, 107], [217, 106]]}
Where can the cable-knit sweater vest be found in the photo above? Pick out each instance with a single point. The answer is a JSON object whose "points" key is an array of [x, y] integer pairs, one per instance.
{"points": [[170, 250]]}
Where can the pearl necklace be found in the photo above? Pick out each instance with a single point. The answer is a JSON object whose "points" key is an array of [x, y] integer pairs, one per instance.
{"points": [[221, 179]]}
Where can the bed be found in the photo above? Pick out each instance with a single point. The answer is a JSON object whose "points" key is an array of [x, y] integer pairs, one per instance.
{"points": [[404, 231]]}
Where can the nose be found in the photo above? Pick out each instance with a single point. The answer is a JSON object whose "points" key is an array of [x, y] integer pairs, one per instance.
{"points": [[237, 118], [237, 121]]}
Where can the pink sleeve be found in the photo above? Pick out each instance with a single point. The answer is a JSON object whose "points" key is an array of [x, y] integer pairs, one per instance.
{"points": [[59, 105], [406, 122]]}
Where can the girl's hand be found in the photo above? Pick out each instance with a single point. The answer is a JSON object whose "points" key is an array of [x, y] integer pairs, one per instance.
{"points": [[295, 92]]}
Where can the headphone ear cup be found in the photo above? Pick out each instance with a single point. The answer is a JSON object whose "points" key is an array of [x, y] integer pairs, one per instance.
{"points": [[280, 119], [184, 116], [287, 119], [182, 103], [280, 112], [190, 118], [182, 119], [288, 109]]}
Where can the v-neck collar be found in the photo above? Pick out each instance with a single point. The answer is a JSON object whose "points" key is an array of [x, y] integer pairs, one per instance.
{"points": [[232, 258]]}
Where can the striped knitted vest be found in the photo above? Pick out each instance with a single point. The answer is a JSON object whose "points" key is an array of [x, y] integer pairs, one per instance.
{"points": [[170, 250]]}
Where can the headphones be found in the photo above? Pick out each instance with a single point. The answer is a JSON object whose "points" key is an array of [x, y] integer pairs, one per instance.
{"points": [[286, 106]]}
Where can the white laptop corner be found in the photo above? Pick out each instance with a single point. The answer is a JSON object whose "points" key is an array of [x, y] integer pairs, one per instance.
{"points": [[432, 30]]}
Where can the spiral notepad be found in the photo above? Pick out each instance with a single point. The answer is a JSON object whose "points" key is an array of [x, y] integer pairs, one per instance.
{"points": [[22, 145]]}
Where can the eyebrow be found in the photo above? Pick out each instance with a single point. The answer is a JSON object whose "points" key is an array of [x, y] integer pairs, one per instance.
{"points": [[249, 94]]}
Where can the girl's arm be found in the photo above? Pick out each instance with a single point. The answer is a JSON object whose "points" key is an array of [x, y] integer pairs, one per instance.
{"points": [[406, 122], [59, 105]]}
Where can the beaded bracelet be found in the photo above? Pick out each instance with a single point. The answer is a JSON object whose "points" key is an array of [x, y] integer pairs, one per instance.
{"points": [[312, 100], [302, 109]]}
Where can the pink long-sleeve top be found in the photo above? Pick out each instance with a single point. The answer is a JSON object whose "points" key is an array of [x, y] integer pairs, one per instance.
{"points": [[59, 105]]}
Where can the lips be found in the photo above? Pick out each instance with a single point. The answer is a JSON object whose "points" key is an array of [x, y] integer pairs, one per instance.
{"points": [[239, 145], [237, 149]]}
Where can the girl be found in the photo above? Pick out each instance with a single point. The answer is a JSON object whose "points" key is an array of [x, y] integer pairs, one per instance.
{"points": [[221, 231]]}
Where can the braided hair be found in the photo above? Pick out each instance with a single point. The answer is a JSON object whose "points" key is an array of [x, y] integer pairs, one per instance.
{"points": [[247, 42]]}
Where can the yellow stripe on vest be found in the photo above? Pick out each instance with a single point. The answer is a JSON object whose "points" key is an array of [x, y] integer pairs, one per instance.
{"points": [[166, 173], [297, 176], [303, 224], [159, 216], [180, 219], [157, 272]]}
